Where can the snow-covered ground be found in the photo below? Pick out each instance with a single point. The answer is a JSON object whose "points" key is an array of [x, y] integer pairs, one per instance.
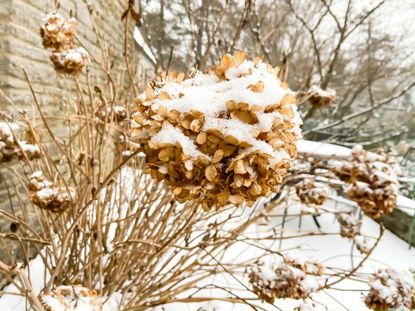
{"points": [[333, 251]]}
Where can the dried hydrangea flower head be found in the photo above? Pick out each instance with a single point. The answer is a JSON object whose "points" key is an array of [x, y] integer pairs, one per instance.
{"points": [[12, 148], [46, 195], [58, 32], [372, 181], [311, 192], [68, 298], [225, 137], [319, 97], [290, 279], [391, 290], [70, 61], [349, 224]]}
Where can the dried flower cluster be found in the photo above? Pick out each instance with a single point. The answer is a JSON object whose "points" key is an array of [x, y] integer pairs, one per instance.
{"points": [[319, 97], [391, 290], [12, 148], [69, 298], [311, 192], [363, 244], [291, 279], [59, 33], [70, 61], [350, 229], [219, 138], [46, 195], [373, 181], [349, 225]]}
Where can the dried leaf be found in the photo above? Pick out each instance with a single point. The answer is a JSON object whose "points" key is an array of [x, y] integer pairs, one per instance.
{"points": [[227, 61], [211, 172], [217, 156], [288, 99], [239, 57], [201, 138], [240, 167]]}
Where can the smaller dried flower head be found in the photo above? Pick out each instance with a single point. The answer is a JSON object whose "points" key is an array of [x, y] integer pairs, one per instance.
{"points": [[311, 192], [76, 297], [349, 224], [372, 181], [46, 195], [12, 148], [290, 279], [58, 32], [70, 61], [319, 97], [391, 290], [363, 244]]}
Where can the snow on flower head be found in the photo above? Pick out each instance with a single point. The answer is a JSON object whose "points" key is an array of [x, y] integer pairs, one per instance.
{"points": [[72, 298], [320, 97], [224, 137], [390, 289], [311, 192], [292, 278], [70, 61], [372, 181], [47, 195], [58, 32], [11, 147]]}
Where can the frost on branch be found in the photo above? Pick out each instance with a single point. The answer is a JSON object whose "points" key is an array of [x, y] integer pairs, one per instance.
{"points": [[391, 290], [311, 192], [46, 195], [72, 298], [372, 181], [12, 148], [222, 137], [290, 279], [57, 32]]}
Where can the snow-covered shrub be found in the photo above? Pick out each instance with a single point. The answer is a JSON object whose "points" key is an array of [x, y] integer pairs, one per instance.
{"points": [[372, 181], [225, 137], [390, 289]]}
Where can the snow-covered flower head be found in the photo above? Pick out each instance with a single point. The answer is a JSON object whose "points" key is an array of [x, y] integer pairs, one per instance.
{"points": [[58, 32], [390, 289], [76, 297], [224, 137], [71, 61], [291, 279]]}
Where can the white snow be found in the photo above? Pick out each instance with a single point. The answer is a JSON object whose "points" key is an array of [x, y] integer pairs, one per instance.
{"points": [[172, 135]]}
